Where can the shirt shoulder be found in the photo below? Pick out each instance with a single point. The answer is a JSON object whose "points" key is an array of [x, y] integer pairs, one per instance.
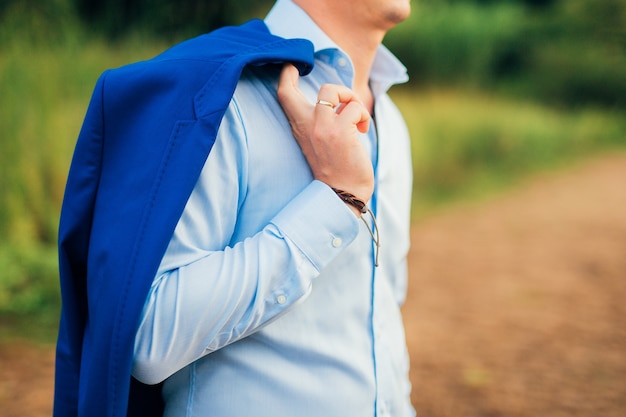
{"points": [[255, 99]]}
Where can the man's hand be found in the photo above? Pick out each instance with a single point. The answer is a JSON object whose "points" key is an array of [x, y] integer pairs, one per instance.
{"points": [[328, 133]]}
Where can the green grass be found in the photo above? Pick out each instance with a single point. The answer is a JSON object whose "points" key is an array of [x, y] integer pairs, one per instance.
{"points": [[571, 54], [465, 144], [29, 292], [45, 92]]}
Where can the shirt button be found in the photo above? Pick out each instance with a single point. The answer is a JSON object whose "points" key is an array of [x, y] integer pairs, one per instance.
{"points": [[384, 409], [281, 299], [337, 242], [342, 62]]}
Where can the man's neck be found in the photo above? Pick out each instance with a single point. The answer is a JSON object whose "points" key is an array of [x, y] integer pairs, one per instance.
{"points": [[358, 41], [362, 53]]}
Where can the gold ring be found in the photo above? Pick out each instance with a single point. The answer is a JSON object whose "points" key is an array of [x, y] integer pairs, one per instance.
{"points": [[326, 103]]}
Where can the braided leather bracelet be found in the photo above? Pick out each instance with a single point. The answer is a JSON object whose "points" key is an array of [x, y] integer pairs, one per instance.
{"points": [[351, 199], [360, 205]]}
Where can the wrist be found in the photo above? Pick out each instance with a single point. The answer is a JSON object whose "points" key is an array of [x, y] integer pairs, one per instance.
{"points": [[357, 205]]}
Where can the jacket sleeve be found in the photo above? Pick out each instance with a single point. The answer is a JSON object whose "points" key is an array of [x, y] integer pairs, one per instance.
{"points": [[212, 290]]}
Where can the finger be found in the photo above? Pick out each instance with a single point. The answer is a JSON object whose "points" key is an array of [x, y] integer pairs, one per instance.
{"points": [[336, 94], [292, 100], [357, 114], [326, 103], [341, 96]]}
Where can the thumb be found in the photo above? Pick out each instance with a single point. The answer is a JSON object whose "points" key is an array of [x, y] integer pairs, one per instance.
{"points": [[294, 103]]}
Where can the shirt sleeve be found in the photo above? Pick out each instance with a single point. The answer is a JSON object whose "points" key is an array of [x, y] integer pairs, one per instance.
{"points": [[210, 292]]}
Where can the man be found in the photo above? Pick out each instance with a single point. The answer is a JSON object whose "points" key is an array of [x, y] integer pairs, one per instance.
{"points": [[268, 300]]}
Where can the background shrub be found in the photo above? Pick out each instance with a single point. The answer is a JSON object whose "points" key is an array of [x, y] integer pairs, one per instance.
{"points": [[500, 89], [568, 52]]}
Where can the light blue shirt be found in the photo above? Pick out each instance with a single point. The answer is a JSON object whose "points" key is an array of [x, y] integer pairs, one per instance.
{"points": [[267, 301]]}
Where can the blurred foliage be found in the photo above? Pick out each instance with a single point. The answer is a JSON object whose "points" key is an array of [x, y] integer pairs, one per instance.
{"points": [[37, 21], [45, 82], [470, 144], [165, 17], [29, 291], [115, 19], [29, 279], [562, 60], [565, 52]]}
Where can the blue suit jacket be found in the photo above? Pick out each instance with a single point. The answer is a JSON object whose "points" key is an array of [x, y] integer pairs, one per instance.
{"points": [[147, 133]]}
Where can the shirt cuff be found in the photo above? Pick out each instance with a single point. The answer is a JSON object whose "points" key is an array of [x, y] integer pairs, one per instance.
{"points": [[318, 223]]}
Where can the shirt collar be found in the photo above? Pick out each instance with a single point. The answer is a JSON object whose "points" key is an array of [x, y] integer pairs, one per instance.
{"points": [[286, 19]]}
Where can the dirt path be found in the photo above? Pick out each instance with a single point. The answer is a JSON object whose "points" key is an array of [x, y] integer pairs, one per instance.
{"points": [[516, 307]]}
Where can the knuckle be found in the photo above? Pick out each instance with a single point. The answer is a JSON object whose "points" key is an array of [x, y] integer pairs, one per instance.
{"points": [[326, 88], [322, 133], [282, 92], [318, 132]]}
